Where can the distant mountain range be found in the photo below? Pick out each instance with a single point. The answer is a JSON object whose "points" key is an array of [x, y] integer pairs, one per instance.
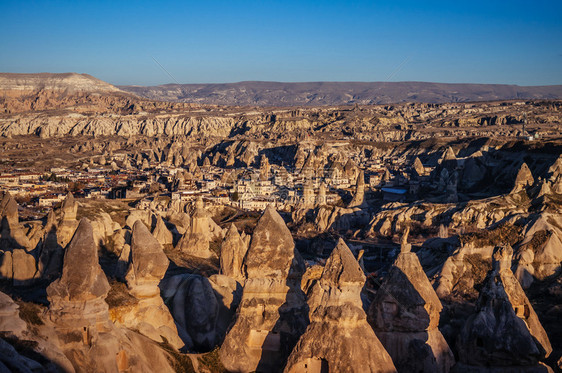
{"points": [[281, 94], [339, 93]]}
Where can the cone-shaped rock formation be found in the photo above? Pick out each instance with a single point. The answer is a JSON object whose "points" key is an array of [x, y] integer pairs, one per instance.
{"points": [[202, 230], [82, 286], [505, 331], [359, 197], [147, 267], [272, 314], [339, 339], [405, 316], [523, 179], [162, 233], [11, 234], [233, 251]]}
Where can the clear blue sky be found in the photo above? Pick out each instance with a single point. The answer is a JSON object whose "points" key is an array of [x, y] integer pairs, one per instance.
{"points": [[207, 41]]}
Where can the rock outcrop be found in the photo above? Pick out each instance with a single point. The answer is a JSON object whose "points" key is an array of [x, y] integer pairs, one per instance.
{"points": [[233, 251], [24, 267], [147, 267], [339, 339], [51, 255], [405, 317], [457, 275], [505, 332], [40, 354], [77, 297], [11, 234], [79, 317], [67, 223], [359, 197], [202, 230], [418, 167], [202, 307], [448, 155], [162, 233], [10, 321], [69, 208], [321, 197], [272, 314], [540, 253], [523, 179]]}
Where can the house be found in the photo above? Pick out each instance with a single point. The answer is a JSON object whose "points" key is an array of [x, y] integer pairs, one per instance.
{"points": [[50, 199], [256, 204]]}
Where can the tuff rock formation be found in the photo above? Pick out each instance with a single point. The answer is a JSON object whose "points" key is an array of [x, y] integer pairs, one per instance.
{"points": [[40, 355], [339, 218], [339, 339], [123, 263], [321, 197], [418, 167], [359, 197], [67, 224], [405, 316], [523, 179], [79, 319], [10, 321], [51, 255], [11, 233], [24, 267], [162, 233], [201, 231], [147, 267], [505, 333], [308, 197], [202, 307], [77, 297], [456, 274], [272, 314], [18, 266], [233, 251], [69, 208], [540, 253], [448, 155]]}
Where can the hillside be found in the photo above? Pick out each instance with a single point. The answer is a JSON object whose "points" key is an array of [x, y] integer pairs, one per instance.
{"points": [[22, 84], [339, 93]]}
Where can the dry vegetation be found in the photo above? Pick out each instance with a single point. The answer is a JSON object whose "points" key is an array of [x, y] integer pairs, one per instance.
{"points": [[505, 233], [29, 312], [119, 295]]}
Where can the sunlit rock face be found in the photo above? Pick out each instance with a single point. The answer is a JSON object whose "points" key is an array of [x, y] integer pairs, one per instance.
{"points": [[162, 233], [79, 317], [12, 235], [339, 339], [359, 196], [147, 266], [10, 321], [523, 179], [67, 223], [82, 286], [505, 332], [202, 230], [405, 317], [540, 253], [272, 314], [233, 251]]}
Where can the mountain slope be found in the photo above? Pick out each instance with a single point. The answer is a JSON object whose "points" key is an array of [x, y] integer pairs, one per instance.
{"points": [[21, 84], [339, 93]]}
